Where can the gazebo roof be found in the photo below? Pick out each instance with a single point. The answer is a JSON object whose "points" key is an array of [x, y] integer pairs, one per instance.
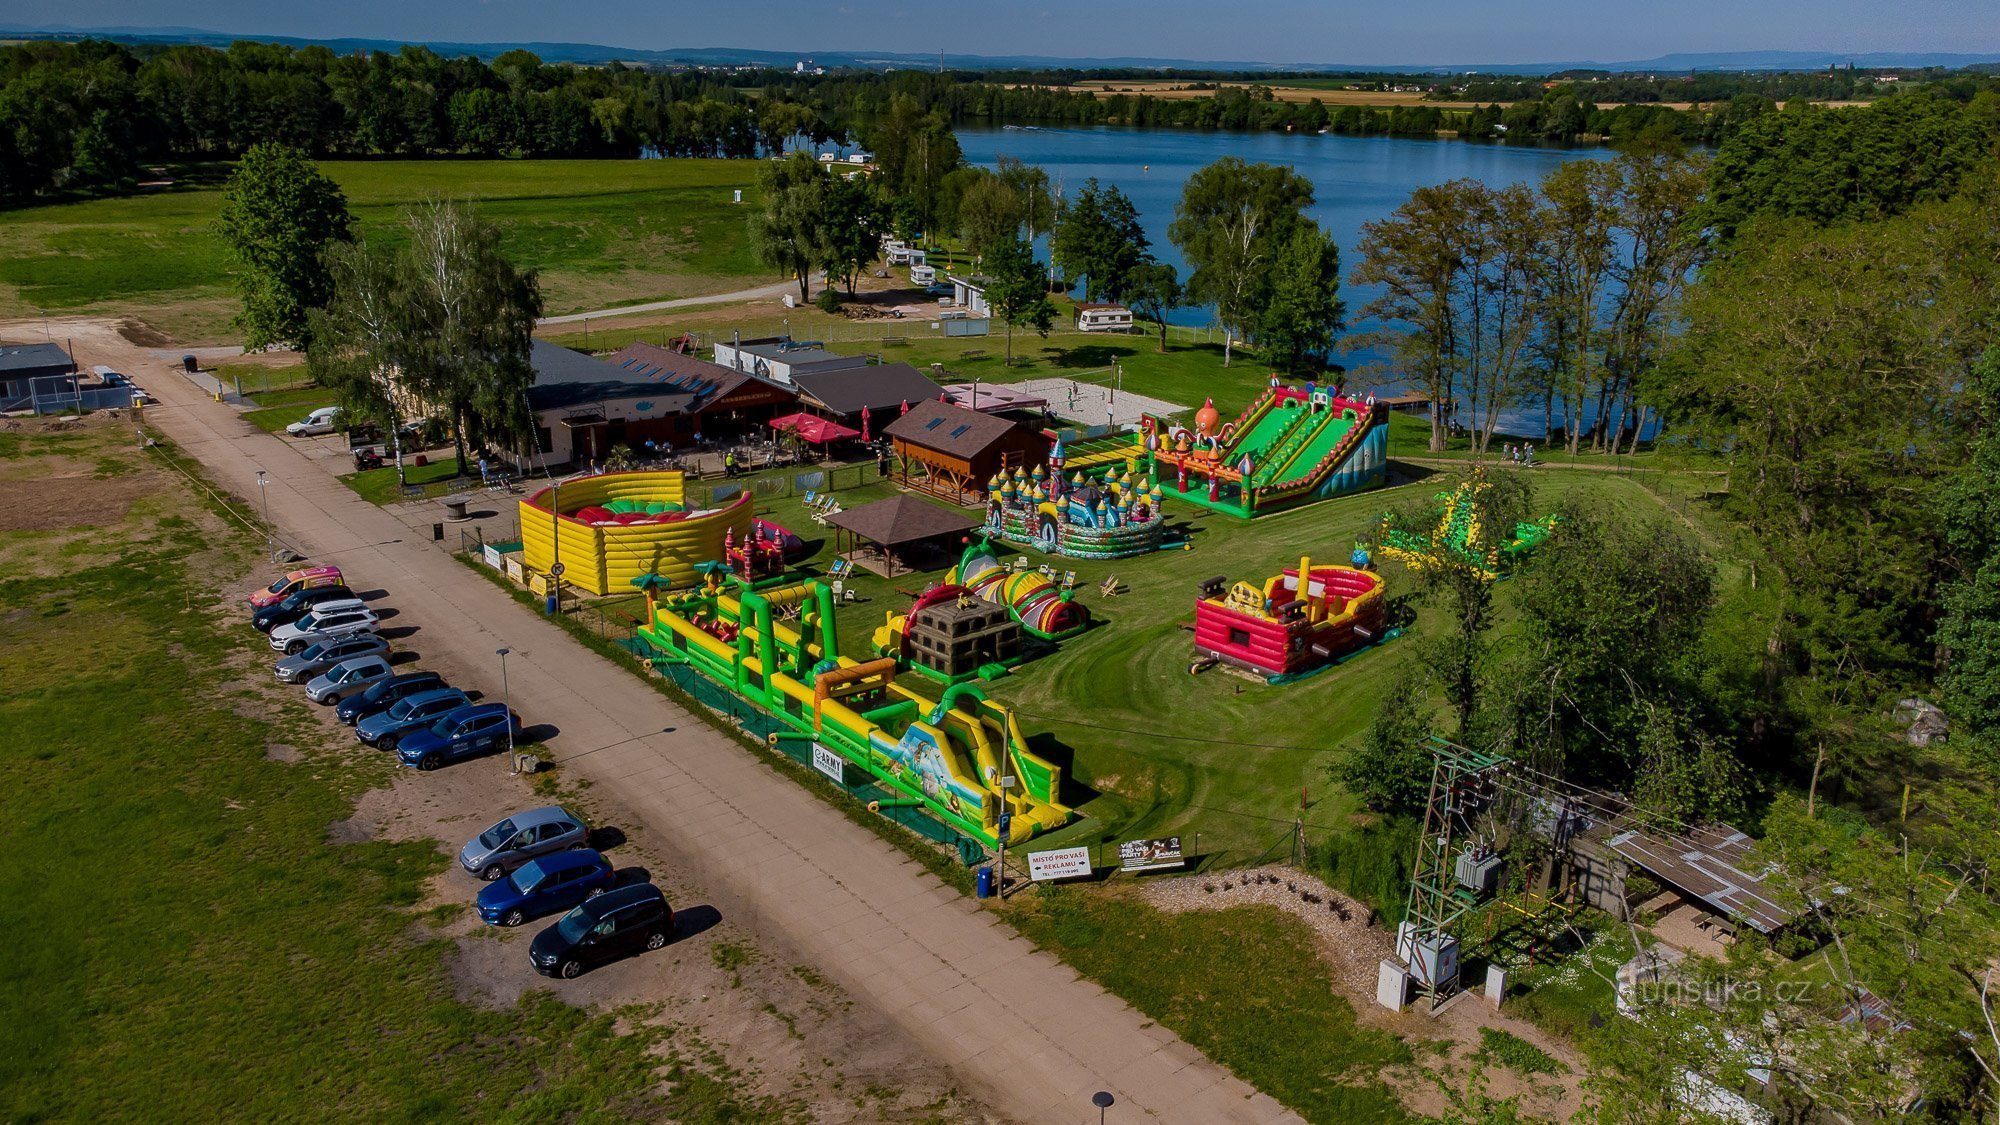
{"points": [[901, 519]]}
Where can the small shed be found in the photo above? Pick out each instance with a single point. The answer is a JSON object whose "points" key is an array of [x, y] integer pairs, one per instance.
{"points": [[897, 531], [22, 364], [1103, 316], [951, 452]]}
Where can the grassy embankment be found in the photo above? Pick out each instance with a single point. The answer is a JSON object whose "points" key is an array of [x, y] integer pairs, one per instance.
{"points": [[182, 931], [599, 232]]}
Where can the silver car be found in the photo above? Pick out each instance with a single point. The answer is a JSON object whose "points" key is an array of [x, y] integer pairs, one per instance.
{"points": [[348, 677], [520, 838], [321, 622], [320, 656]]}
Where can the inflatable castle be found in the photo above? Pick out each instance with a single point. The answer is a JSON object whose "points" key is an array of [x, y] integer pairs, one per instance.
{"points": [[1298, 621], [1108, 518]]}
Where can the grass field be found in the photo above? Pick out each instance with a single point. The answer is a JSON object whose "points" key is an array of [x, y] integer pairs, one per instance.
{"points": [[183, 937], [600, 233]]}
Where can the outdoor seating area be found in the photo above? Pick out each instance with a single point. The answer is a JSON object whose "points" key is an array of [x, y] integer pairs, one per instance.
{"points": [[896, 535]]}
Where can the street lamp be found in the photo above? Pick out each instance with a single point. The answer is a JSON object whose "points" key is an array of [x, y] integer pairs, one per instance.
{"points": [[1103, 1101], [507, 701], [264, 493]]}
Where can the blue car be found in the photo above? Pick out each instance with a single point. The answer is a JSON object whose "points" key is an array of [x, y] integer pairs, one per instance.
{"points": [[464, 733], [384, 695], [548, 885], [411, 713]]}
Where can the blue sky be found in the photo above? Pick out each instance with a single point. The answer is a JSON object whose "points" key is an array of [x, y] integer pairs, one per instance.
{"points": [[1333, 31]]}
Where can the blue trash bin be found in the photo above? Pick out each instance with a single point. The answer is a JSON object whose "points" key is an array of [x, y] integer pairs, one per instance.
{"points": [[985, 881], [551, 605]]}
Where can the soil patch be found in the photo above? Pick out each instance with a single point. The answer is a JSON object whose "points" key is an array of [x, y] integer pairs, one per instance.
{"points": [[54, 503], [143, 334]]}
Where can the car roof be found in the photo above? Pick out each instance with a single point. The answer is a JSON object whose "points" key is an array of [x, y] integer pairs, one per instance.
{"points": [[472, 709], [312, 572], [620, 897], [433, 694], [339, 605], [413, 677], [542, 815], [574, 857], [364, 658]]}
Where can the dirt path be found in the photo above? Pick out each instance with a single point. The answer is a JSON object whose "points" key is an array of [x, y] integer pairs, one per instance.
{"points": [[1019, 1032], [777, 289]]}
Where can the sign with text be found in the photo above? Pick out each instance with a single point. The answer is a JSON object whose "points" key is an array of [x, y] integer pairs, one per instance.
{"points": [[492, 556], [830, 764], [1144, 855], [1062, 863]]}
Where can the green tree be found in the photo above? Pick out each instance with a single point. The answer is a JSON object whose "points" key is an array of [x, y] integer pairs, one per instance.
{"points": [[1297, 326], [1230, 222], [1391, 770], [1015, 289], [1156, 293], [1969, 632], [1413, 259], [469, 325], [915, 150], [989, 213], [853, 222], [1098, 238], [359, 339], [1031, 185], [279, 214], [1579, 205], [790, 232]]}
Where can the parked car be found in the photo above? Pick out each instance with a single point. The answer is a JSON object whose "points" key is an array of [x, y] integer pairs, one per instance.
{"points": [[295, 581], [335, 619], [321, 655], [605, 928], [383, 729], [545, 886], [384, 694], [109, 377], [465, 733], [325, 420], [349, 677], [297, 604], [520, 838]]}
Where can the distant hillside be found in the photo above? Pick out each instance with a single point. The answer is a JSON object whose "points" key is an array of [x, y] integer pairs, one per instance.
{"points": [[597, 53]]}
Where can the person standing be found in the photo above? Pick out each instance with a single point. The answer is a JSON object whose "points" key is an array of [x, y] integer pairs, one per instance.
{"points": [[729, 463], [881, 461]]}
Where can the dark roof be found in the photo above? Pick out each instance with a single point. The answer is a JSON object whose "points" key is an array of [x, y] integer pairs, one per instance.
{"points": [[882, 386], [798, 355], [1711, 864], [901, 519], [566, 379], [708, 382], [948, 429], [35, 359]]}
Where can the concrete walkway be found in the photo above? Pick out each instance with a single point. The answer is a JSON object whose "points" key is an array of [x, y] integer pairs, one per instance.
{"points": [[1022, 1031], [778, 289]]}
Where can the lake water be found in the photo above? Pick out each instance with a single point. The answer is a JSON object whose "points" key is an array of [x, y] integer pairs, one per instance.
{"points": [[1355, 180]]}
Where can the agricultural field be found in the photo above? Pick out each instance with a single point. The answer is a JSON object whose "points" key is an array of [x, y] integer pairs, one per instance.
{"points": [[1330, 92], [599, 233]]}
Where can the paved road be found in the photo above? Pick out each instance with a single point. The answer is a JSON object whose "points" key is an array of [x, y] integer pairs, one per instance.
{"points": [[1023, 1032], [778, 289]]}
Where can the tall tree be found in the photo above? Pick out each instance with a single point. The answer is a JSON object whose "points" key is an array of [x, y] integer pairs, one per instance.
{"points": [[990, 212], [1503, 257], [1579, 200], [1098, 237], [279, 214], [1414, 258], [470, 328], [853, 221], [1658, 193], [1015, 289], [1156, 293], [1969, 632], [790, 232], [359, 339], [1231, 219], [1031, 185], [915, 150], [1299, 321]]}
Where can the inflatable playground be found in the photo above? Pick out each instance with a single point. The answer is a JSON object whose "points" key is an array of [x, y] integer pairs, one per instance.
{"points": [[948, 754], [1291, 446], [1299, 621], [1081, 517], [611, 529], [1045, 610], [1458, 534]]}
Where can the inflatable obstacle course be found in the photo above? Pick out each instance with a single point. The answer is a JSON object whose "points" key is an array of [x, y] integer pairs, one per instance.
{"points": [[1459, 534], [951, 635], [1291, 446]]}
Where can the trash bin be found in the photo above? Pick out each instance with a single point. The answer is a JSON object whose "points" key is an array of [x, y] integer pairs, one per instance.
{"points": [[985, 881], [551, 605], [192, 364]]}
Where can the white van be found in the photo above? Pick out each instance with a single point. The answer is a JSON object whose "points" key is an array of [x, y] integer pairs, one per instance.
{"points": [[322, 421]]}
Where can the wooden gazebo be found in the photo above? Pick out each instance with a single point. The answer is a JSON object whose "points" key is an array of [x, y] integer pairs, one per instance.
{"points": [[877, 536]]}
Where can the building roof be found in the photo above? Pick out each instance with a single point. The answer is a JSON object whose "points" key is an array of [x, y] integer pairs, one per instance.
{"points": [[881, 386], [566, 379], [34, 358], [901, 519], [1711, 864], [798, 355], [708, 382], [948, 429], [989, 399], [1101, 306]]}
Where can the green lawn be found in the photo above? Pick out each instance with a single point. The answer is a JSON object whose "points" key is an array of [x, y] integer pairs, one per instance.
{"points": [[184, 940], [599, 232], [270, 386], [290, 406], [380, 486]]}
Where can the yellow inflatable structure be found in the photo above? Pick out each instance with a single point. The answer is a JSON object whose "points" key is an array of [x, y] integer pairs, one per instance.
{"points": [[607, 530]]}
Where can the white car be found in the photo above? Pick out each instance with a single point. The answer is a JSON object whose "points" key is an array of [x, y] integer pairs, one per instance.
{"points": [[325, 420], [322, 624], [348, 677]]}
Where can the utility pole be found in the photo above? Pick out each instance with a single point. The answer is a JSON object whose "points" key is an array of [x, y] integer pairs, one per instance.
{"points": [[507, 701], [1460, 782], [264, 493]]}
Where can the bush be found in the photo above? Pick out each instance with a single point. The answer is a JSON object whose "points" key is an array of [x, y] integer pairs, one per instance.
{"points": [[1371, 864], [828, 300], [1515, 1053]]}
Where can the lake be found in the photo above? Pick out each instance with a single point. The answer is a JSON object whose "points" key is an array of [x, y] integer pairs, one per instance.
{"points": [[1355, 180]]}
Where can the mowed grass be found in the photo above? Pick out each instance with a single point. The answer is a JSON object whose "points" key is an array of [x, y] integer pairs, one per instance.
{"points": [[183, 938], [598, 232]]}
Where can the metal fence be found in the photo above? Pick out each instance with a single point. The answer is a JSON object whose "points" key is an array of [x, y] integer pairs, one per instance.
{"points": [[60, 394]]}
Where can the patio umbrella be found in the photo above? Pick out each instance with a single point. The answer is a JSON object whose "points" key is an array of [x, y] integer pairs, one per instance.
{"points": [[906, 407], [864, 423]]}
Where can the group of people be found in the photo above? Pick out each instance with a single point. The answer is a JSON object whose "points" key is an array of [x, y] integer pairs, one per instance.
{"points": [[1522, 454]]}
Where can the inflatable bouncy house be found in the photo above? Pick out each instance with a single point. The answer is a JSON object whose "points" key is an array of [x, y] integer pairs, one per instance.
{"points": [[1296, 622], [608, 530], [1082, 517], [1043, 608]]}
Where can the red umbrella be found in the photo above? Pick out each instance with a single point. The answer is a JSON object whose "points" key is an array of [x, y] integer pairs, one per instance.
{"points": [[906, 406], [864, 423]]}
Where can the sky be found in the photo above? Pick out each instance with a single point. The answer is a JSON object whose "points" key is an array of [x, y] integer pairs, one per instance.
{"points": [[1432, 32]]}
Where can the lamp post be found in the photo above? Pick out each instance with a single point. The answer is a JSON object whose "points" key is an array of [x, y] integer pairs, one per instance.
{"points": [[264, 493], [555, 546], [507, 701], [1103, 1101]]}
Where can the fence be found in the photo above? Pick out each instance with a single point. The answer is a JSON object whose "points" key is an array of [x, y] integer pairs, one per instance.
{"points": [[785, 485], [60, 394]]}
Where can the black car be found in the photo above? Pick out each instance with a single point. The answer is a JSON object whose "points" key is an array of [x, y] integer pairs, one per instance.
{"points": [[383, 695], [605, 928], [295, 605]]}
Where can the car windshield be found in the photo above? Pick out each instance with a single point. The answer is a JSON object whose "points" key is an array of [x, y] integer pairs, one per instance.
{"points": [[312, 652], [402, 708], [498, 834], [526, 876], [575, 924], [355, 672], [308, 623], [277, 586]]}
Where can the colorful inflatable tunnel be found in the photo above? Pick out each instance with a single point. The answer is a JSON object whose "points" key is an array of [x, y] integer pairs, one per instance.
{"points": [[607, 530], [1043, 608]]}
